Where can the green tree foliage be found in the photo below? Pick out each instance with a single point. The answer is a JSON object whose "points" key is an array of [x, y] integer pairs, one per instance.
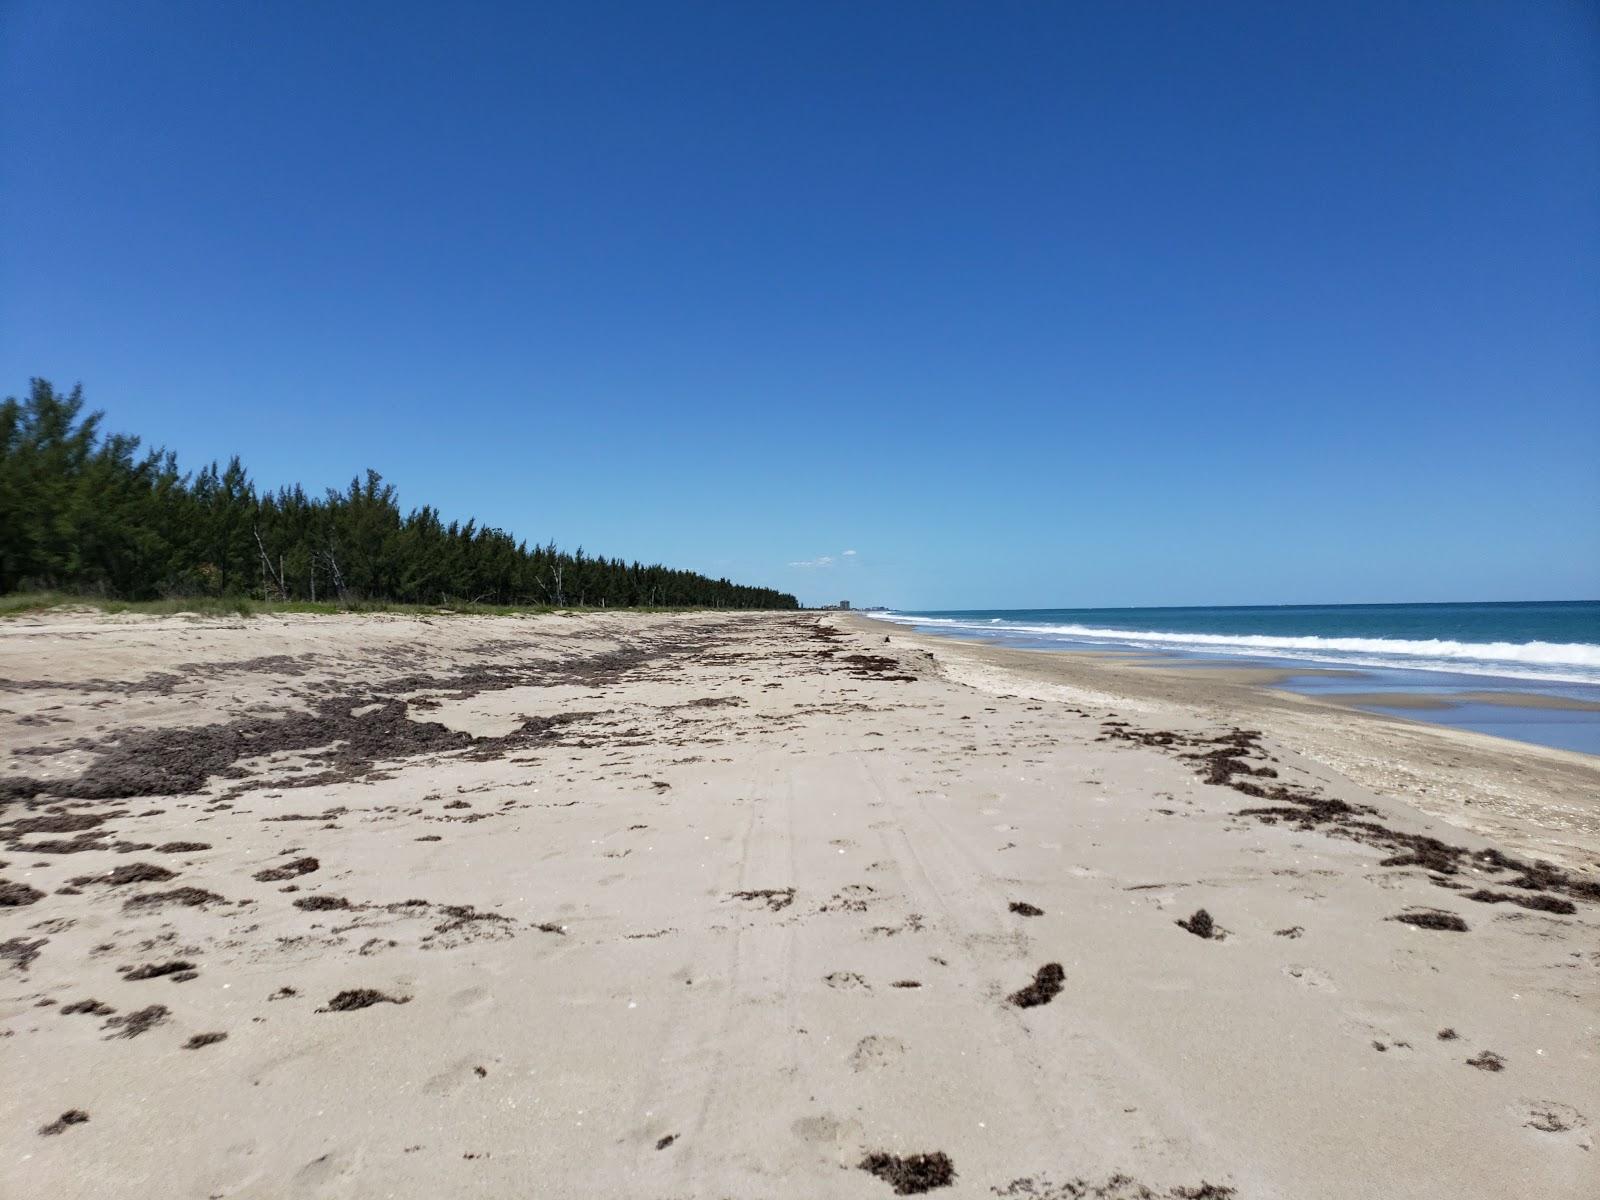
{"points": [[90, 512]]}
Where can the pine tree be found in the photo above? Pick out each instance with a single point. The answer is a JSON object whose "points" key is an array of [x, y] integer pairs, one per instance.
{"points": [[89, 512]]}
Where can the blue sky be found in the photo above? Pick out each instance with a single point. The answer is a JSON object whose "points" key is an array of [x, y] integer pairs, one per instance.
{"points": [[1024, 304]]}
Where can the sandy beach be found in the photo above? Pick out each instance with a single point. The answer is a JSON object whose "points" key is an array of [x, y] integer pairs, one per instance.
{"points": [[767, 905]]}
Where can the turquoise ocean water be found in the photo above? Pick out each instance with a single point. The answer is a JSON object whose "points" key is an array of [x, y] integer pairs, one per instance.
{"points": [[1440, 650]]}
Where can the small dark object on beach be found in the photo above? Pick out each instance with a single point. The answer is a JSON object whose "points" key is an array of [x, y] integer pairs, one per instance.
{"points": [[289, 870], [1116, 1187], [1023, 909], [1487, 1060], [135, 1023], [90, 1006], [73, 1116], [906, 983], [1200, 924], [182, 847], [465, 914], [15, 895], [1046, 986], [1293, 931], [321, 903], [481, 1072], [1433, 919], [189, 897], [1447, 1035], [776, 898], [354, 998], [912, 1175], [179, 969], [204, 1039], [663, 1143]]}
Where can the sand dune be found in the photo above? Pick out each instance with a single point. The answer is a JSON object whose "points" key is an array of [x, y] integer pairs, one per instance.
{"points": [[764, 906]]}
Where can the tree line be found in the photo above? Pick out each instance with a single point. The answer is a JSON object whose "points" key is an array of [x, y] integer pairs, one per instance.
{"points": [[90, 512]]}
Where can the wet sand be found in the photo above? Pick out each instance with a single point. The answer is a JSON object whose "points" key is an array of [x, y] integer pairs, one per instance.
{"points": [[1425, 700], [764, 905]]}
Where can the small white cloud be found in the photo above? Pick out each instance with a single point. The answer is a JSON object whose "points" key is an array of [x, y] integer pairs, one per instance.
{"points": [[825, 560], [849, 553]]}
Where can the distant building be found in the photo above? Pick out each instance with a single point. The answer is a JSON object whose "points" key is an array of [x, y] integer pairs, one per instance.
{"points": [[845, 604]]}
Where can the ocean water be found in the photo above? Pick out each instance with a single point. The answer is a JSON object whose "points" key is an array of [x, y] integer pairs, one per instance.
{"points": [[1437, 650]]}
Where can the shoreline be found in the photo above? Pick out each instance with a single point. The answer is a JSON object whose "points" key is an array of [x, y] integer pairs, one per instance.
{"points": [[712, 904], [1535, 678], [1539, 799]]}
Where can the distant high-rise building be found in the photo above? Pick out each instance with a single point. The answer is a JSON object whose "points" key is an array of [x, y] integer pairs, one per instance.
{"points": [[844, 604]]}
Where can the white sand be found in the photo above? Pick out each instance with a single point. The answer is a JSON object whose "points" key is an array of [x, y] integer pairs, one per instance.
{"points": [[765, 1035]]}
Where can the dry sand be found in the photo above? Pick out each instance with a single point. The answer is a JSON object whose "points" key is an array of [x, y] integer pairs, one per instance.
{"points": [[743, 905]]}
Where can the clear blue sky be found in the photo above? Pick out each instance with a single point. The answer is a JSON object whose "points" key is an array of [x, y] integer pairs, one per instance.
{"points": [[1025, 304]]}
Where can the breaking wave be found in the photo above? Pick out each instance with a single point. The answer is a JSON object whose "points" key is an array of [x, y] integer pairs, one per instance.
{"points": [[1569, 662]]}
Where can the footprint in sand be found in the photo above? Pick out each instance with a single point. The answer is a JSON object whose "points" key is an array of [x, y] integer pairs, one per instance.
{"points": [[847, 981], [838, 1138], [239, 1170], [875, 1052], [456, 1076], [331, 1174], [269, 1071], [1558, 1120], [472, 999], [1310, 977]]}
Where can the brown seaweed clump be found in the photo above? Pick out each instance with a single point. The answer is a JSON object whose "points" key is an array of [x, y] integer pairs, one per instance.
{"points": [[321, 903], [1046, 986], [351, 999], [179, 970], [912, 1174], [1432, 918], [73, 1116], [189, 897], [126, 874], [135, 1023], [15, 895], [1201, 925], [1535, 901], [289, 870]]}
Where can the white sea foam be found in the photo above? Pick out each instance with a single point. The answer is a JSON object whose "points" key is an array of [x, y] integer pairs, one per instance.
{"points": [[1568, 662]]}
